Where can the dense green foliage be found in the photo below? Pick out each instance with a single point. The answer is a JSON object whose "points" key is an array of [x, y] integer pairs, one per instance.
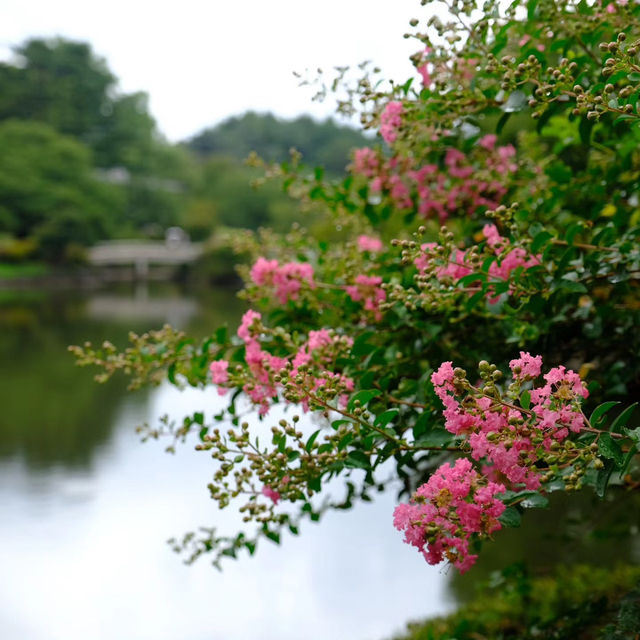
{"points": [[49, 192], [119, 177], [320, 143]]}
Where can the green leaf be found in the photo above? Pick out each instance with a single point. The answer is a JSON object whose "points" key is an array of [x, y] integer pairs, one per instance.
{"points": [[600, 411], [535, 500], [221, 335], [602, 479], [471, 278], [525, 400], [570, 285], [311, 440], [511, 517], [358, 460], [609, 448], [274, 536], [585, 129], [623, 418], [385, 418], [540, 241], [363, 397], [435, 438], [628, 458], [361, 346], [502, 122], [634, 434], [511, 497]]}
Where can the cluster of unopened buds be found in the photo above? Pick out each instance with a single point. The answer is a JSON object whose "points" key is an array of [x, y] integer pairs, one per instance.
{"points": [[520, 438], [441, 266]]}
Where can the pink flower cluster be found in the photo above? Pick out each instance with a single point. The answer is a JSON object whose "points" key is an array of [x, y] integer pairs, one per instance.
{"points": [[286, 279], [270, 493], [319, 350], [219, 374], [365, 162], [444, 515], [318, 353], [391, 121], [467, 181], [457, 265], [368, 290], [508, 438], [370, 244]]}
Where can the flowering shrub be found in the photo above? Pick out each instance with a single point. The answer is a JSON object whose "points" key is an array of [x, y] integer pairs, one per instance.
{"points": [[495, 217]]}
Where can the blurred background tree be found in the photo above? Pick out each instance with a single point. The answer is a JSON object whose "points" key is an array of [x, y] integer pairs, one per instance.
{"points": [[83, 162]]}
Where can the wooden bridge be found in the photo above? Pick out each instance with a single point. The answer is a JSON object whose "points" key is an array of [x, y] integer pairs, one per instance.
{"points": [[142, 254]]}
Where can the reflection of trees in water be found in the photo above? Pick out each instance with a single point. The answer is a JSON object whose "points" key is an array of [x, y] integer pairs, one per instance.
{"points": [[576, 529], [52, 412]]}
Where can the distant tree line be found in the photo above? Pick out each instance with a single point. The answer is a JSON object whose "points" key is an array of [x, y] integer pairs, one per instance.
{"points": [[82, 161]]}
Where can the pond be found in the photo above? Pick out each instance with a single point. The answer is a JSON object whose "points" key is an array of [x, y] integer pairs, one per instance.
{"points": [[87, 508]]}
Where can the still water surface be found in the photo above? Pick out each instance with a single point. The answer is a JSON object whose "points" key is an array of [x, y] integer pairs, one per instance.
{"points": [[86, 508]]}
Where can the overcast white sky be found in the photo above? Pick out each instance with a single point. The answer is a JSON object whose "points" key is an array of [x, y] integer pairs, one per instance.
{"points": [[202, 61]]}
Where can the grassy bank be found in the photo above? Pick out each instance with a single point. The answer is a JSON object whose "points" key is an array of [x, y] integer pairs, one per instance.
{"points": [[11, 271], [580, 603]]}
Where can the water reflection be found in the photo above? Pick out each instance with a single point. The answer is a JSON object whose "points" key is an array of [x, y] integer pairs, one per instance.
{"points": [[87, 508]]}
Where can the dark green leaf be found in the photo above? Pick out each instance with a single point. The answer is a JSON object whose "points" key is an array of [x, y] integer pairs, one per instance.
{"points": [[385, 418], [603, 478], [363, 397], [536, 500], [600, 411], [357, 459], [503, 120], [623, 418], [312, 438], [511, 517], [609, 448], [540, 241], [435, 438]]}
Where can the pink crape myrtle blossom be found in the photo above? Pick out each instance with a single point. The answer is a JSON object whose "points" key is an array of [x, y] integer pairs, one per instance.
{"points": [[365, 162], [502, 434], [457, 266], [219, 374], [369, 243], [526, 366], [455, 506], [270, 493], [248, 319], [467, 182], [425, 69], [367, 289], [286, 279], [391, 121], [458, 504], [317, 355]]}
